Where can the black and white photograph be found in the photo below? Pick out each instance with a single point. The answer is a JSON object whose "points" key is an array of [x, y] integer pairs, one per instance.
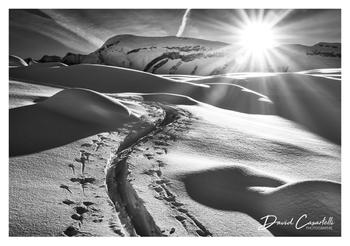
{"points": [[174, 122]]}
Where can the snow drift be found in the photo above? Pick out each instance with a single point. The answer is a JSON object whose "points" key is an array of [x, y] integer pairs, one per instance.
{"points": [[69, 115], [108, 79]]}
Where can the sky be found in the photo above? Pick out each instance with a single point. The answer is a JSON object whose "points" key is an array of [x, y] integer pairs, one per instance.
{"points": [[34, 33]]}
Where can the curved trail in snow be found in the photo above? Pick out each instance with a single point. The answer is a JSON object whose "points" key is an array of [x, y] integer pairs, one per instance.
{"points": [[132, 213], [134, 216]]}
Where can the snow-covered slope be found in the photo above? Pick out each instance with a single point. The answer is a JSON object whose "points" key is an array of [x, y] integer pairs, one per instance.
{"points": [[60, 189], [213, 172], [175, 165]]}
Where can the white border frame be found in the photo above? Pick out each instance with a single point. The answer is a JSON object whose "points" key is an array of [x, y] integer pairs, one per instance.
{"points": [[294, 4]]}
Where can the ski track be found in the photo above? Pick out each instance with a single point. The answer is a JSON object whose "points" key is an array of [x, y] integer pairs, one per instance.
{"points": [[135, 218]]}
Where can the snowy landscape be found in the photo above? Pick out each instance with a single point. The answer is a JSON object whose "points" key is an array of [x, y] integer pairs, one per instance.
{"points": [[175, 135]]}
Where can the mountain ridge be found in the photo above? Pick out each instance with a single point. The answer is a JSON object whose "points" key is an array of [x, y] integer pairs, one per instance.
{"points": [[184, 55]]}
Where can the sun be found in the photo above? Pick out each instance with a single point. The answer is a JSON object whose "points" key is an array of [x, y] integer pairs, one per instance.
{"points": [[257, 37]]}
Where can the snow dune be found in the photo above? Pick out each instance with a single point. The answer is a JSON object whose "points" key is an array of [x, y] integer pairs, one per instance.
{"points": [[107, 79], [240, 189], [22, 94], [314, 102], [69, 115]]}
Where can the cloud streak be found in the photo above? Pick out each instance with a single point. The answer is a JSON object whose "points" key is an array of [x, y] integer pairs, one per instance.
{"points": [[183, 23]]}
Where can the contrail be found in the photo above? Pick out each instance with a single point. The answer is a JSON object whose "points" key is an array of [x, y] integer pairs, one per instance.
{"points": [[183, 23]]}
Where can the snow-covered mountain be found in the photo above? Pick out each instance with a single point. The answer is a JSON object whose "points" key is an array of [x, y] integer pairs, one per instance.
{"points": [[179, 55], [167, 55]]}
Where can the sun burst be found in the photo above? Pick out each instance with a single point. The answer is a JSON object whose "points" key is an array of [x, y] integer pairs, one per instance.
{"points": [[257, 37]]}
